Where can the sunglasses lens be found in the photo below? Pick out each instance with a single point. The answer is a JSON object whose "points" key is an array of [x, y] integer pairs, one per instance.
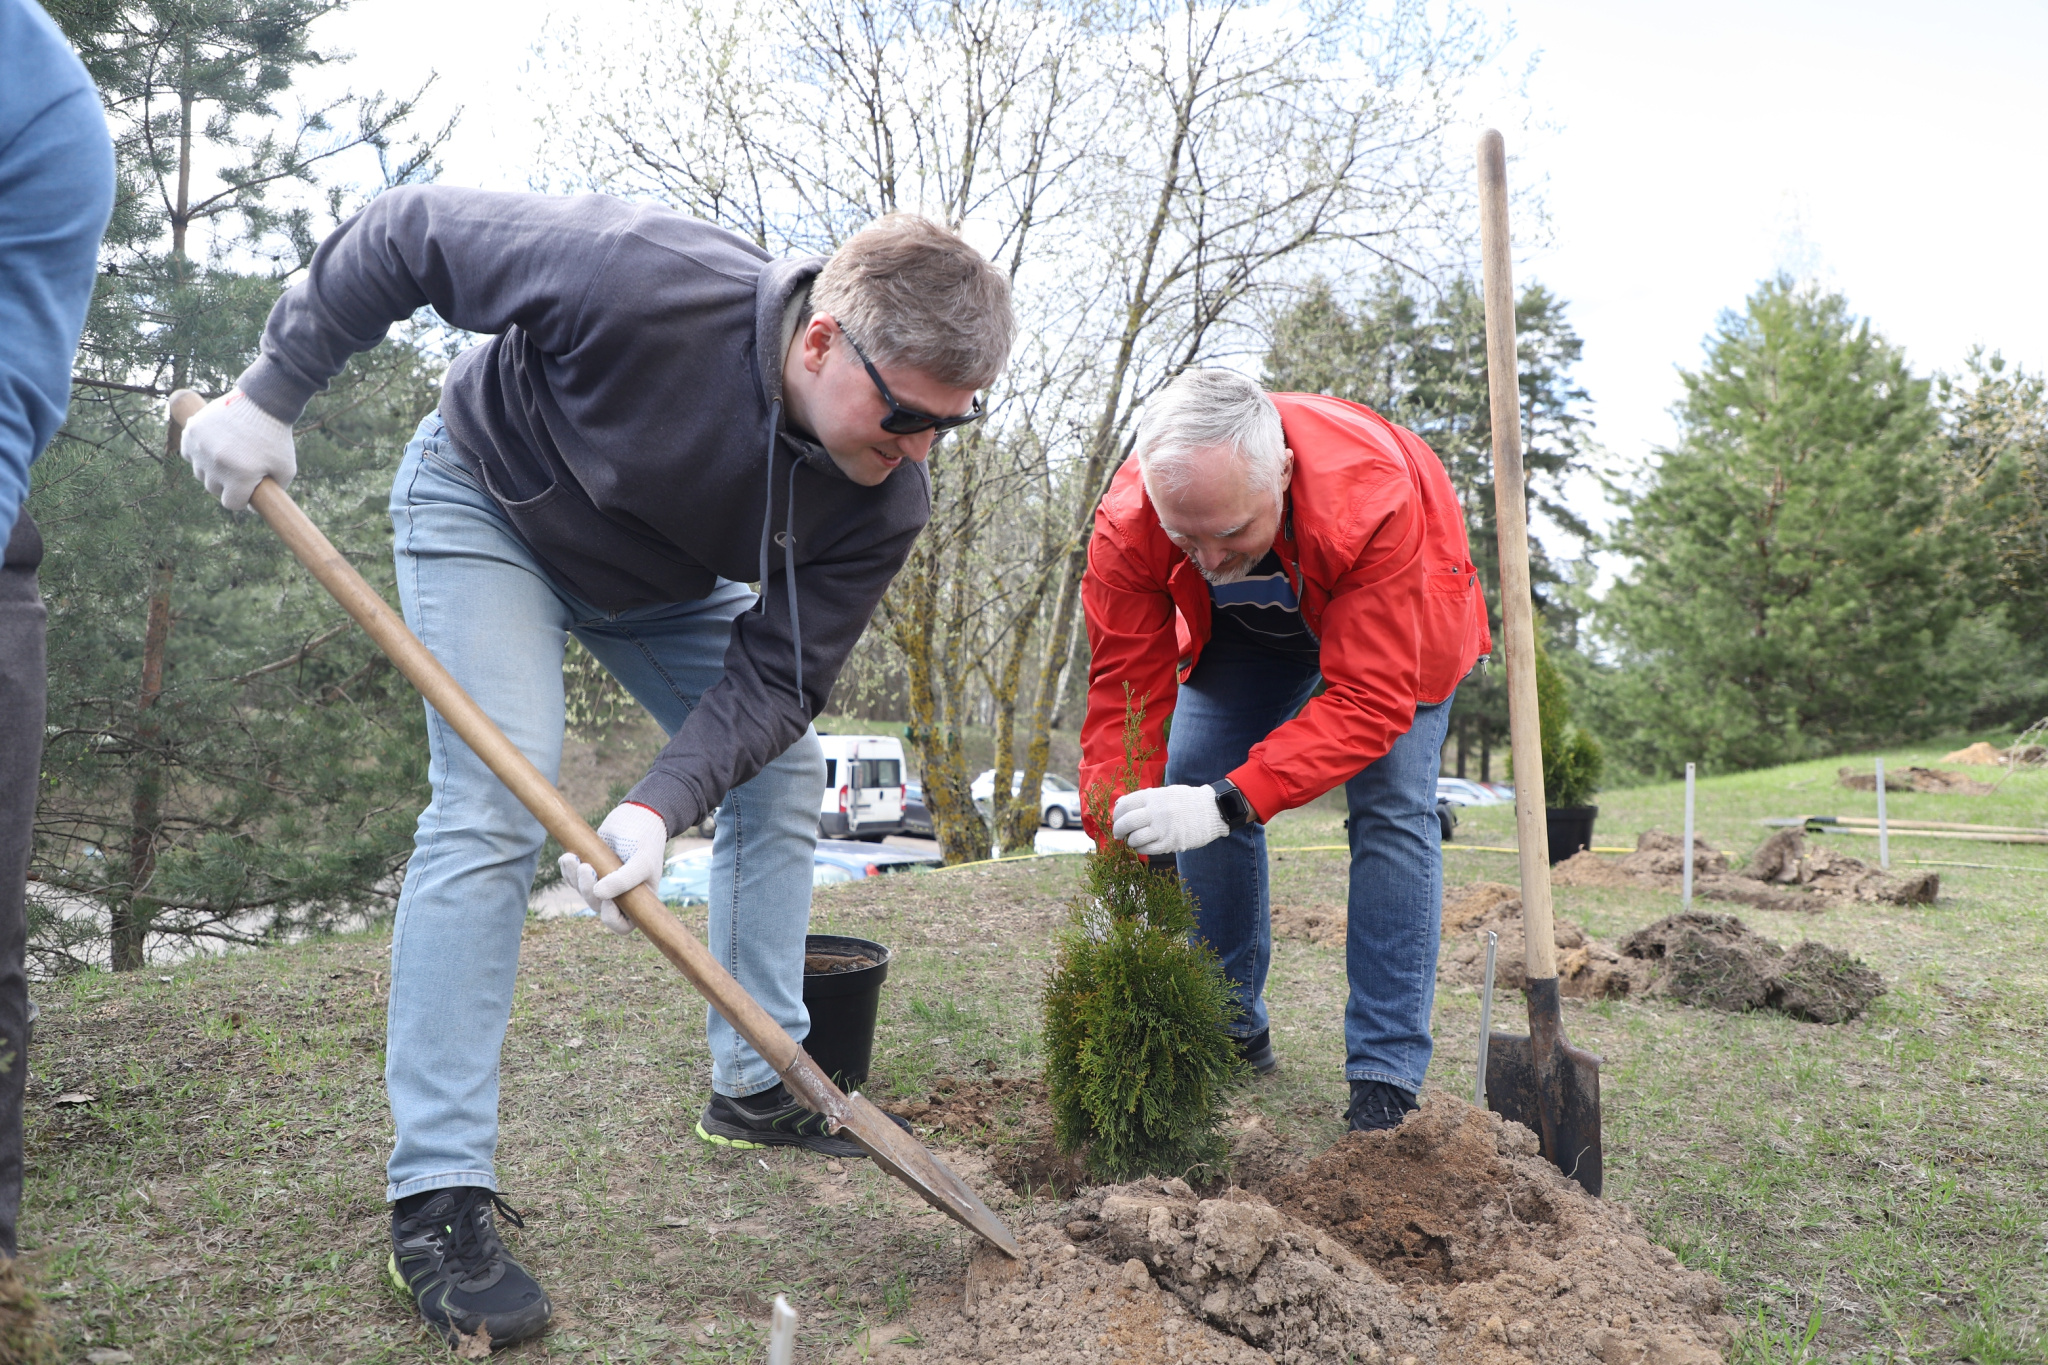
{"points": [[901, 423]]}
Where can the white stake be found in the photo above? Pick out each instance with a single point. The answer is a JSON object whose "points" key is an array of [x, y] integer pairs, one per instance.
{"points": [[781, 1333], [1485, 1022], [1685, 897], [1884, 830]]}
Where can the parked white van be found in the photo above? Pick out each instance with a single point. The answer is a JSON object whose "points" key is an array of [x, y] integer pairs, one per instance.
{"points": [[863, 787]]}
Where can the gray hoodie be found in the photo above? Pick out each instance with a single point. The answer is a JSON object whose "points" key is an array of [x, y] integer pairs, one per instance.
{"points": [[626, 418]]}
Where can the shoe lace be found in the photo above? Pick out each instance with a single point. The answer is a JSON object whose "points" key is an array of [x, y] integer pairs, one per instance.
{"points": [[474, 1238]]}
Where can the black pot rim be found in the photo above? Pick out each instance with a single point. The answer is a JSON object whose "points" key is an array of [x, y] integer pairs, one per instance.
{"points": [[1571, 810], [831, 985]]}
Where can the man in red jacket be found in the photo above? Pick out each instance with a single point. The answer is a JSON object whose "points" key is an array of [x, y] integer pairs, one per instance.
{"points": [[1255, 547]]}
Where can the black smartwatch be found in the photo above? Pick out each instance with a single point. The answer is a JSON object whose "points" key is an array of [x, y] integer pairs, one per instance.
{"points": [[1232, 806]]}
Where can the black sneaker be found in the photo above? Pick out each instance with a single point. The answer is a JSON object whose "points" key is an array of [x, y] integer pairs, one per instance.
{"points": [[445, 1253], [1376, 1105], [1257, 1052], [774, 1118]]}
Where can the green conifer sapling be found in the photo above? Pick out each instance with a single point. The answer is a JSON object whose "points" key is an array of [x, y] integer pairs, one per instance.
{"points": [[1137, 1057]]}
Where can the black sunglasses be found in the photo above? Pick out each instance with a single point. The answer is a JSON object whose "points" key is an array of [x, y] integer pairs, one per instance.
{"points": [[903, 421]]}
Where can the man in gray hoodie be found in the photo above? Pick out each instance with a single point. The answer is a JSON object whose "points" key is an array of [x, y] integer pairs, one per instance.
{"points": [[663, 415]]}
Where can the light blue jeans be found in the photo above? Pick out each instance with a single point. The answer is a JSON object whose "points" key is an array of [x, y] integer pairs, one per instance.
{"points": [[493, 618]]}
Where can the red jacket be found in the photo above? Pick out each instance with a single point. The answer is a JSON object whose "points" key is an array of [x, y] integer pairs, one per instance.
{"points": [[1373, 539]]}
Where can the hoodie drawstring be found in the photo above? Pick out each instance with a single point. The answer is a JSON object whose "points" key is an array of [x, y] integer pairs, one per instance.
{"points": [[788, 547]]}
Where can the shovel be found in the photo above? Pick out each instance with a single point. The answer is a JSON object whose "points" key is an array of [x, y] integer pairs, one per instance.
{"points": [[894, 1150], [1539, 1080]]}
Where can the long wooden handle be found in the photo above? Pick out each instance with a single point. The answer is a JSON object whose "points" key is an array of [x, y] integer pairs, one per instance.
{"points": [[1511, 515], [640, 905]]}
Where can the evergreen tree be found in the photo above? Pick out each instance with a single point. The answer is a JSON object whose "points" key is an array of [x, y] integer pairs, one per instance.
{"points": [[227, 759], [1136, 1057], [1421, 363], [1790, 587]]}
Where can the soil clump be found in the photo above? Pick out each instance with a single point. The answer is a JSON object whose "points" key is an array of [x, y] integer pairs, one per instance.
{"points": [[1586, 968], [1323, 925], [830, 964], [1783, 874], [1447, 1240], [1718, 962], [1935, 781]]}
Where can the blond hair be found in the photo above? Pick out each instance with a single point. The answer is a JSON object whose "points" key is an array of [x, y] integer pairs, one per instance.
{"points": [[914, 294]]}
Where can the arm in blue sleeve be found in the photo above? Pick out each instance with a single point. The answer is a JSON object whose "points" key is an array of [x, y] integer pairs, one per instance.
{"points": [[484, 260], [56, 190]]}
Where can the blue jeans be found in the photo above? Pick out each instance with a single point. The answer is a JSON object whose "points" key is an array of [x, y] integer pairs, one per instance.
{"points": [[493, 618], [1239, 693]]}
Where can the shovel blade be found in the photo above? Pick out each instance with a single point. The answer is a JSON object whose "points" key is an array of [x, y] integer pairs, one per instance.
{"points": [[898, 1153], [1541, 1081]]}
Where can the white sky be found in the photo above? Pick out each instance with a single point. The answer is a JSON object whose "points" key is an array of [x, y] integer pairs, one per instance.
{"points": [[1685, 152]]}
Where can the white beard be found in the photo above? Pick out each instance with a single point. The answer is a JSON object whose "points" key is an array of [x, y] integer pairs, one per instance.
{"points": [[1234, 570]]}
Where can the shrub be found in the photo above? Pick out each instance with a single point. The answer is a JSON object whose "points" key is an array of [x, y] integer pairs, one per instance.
{"points": [[1572, 761], [1137, 1058]]}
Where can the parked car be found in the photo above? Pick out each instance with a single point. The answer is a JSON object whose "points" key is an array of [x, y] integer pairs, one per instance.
{"points": [[1502, 790], [1059, 800], [1460, 792], [917, 821], [864, 787], [686, 879]]}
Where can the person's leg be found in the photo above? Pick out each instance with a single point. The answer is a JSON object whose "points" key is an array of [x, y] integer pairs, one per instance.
{"points": [[1397, 887], [23, 687], [473, 594], [761, 856], [1236, 696]]}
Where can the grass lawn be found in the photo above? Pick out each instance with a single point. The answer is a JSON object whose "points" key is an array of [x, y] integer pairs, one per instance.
{"points": [[1874, 1191]]}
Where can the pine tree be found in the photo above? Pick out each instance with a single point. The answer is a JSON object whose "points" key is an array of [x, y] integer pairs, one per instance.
{"points": [[1421, 362], [1137, 1058], [227, 759], [1790, 588]]}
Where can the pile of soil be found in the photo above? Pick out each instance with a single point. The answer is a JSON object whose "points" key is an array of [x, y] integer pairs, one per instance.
{"points": [[1785, 859], [1323, 925], [1447, 1239], [1780, 875], [1718, 962], [1986, 755], [1697, 958], [1935, 781], [1586, 968]]}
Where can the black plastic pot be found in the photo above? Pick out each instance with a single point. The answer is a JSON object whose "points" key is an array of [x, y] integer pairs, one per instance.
{"points": [[1571, 829], [843, 1006]]}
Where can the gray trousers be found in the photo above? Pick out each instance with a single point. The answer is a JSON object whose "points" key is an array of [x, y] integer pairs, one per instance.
{"points": [[23, 691]]}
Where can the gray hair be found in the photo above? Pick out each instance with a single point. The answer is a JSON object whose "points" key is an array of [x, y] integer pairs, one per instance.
{"points": [[1205, 410], [913, 294]]}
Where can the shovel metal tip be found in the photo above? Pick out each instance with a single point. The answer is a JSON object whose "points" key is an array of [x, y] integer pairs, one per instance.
{"points": [[1550, 1087], [904, 1157]]}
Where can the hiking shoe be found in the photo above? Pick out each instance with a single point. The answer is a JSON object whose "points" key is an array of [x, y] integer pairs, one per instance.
{"points": [[1376, 1105], [1257, 1052], [774, 1118], [445, 1253]]}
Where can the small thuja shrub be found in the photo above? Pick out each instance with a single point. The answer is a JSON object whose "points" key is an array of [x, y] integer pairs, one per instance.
{"points": [[1136, 1054]]}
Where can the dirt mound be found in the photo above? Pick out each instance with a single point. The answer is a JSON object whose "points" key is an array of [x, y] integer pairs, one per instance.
{"points": [[1935, 781], [1586, 968], [1979, 754], [1786, 859], [1323, 925], [1442, 1241], [1780, 875], [1718, 962], [1448, 1239]]}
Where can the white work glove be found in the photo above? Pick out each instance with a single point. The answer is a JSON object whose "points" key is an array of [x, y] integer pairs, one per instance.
{"points": [[233, 445], [1168, 819], [639, 837]]}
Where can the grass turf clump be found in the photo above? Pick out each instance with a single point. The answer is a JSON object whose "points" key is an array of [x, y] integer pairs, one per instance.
{"points": [[1135, 1011]]}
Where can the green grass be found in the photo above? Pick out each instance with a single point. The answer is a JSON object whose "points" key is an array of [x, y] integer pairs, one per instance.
{"points": [[1868, 1192]]}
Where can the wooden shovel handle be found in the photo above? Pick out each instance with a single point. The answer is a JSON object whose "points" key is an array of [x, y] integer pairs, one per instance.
{"points": [[1517, 609], [528, 783]]}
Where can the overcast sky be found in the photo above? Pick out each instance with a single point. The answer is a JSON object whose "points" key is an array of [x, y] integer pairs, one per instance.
{"points": [[1892, 150]]}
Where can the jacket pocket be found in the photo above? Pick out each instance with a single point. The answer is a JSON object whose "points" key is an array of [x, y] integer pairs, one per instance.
{"points": [[1450, 602]]}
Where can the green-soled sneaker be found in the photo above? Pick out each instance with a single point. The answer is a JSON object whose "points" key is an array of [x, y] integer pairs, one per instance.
{"points": [[446, 1255], [774, 1118]]}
